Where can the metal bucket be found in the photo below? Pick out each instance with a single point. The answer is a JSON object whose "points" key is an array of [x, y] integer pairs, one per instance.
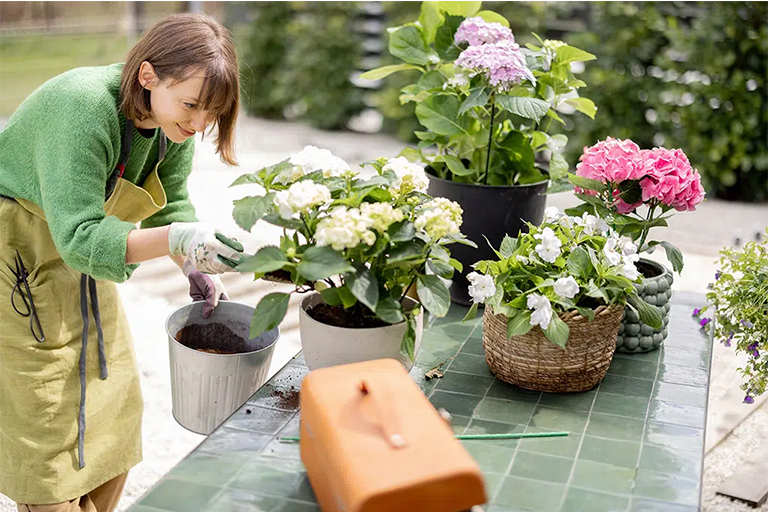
{"points": [[207, 388]]}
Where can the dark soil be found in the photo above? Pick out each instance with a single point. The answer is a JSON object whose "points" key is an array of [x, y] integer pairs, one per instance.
{"points": [[647, 270], [278, 276], [214, 338], [357, 317], [287, 399]]}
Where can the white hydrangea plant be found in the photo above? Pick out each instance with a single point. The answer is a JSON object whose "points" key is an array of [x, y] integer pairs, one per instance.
{"points": [[566, 264], [362, 243]]}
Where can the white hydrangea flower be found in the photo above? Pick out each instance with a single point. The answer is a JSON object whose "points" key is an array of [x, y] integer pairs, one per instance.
{"points": [[300, 197], [440, 217], [591, 224], [549, 248], [410, 176], [481, 287], [381, 215], [566, 287], [611, 250], [344, 229], [458, 80], [551, 213], [542, 310], [566, 222], [311, 159]]}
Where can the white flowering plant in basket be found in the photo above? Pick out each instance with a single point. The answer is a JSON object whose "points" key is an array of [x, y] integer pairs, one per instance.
{"points": [[360, 242], [567, 263]]}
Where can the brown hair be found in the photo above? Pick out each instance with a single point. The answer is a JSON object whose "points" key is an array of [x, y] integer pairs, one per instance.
{"points": [[177, 47]]}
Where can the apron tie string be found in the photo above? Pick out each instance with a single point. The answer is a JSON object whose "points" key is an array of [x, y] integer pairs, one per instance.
{"points": [[87, 283]]}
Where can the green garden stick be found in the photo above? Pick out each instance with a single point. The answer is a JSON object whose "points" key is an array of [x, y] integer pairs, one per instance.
{"points": [[474, 436]]}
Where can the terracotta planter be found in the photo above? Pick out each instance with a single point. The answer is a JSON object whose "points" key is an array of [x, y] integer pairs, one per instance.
{"points": [[634, 335], [327, 345]]}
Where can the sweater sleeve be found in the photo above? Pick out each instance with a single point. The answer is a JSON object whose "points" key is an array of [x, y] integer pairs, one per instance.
{"points": [[174, 172], [73, 151]]}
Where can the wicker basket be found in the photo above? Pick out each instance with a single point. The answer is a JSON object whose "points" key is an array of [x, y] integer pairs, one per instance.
{"points": [[531, 361]]}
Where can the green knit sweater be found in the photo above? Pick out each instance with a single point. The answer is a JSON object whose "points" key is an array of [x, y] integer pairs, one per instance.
{"points": [[58, 150]]}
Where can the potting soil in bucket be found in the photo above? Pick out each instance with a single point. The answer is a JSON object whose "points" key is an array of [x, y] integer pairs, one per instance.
{"points": [[215, 368]]}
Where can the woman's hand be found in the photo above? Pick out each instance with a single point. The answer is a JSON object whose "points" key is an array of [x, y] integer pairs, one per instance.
{"points": [[204, 287], [207, 249]]}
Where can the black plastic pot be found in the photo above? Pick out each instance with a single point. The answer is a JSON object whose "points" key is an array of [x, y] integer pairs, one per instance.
{"points": [[492, 211]]}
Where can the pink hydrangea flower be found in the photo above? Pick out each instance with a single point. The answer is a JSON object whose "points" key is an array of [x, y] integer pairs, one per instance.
{"points": [[502, 63], [670, 179], [477, 31]]}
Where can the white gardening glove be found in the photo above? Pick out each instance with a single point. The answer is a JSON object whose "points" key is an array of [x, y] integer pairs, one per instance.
{"points": [[206, 248], [204, 287]]}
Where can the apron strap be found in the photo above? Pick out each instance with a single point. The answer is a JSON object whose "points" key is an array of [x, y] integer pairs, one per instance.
{"points": [[125, 153], [87, 283]]}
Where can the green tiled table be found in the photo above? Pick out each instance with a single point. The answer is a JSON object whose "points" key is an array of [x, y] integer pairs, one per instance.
{"points": [[635, 445]]}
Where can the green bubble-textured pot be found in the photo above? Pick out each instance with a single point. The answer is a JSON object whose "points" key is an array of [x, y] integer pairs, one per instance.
{"points": [[635, 336]]}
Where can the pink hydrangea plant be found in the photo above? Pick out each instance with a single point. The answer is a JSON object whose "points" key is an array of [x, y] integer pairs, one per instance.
{"points": [[670, 179]]}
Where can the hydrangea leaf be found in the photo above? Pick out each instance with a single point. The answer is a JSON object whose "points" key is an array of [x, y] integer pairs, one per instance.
{"points": [[269, 313]]}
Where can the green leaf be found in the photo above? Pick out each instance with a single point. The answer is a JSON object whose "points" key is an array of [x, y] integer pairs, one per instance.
{"points": [[551, 113], [472, 313], [456, 264], [579, 263], [385, 71], [477, 97], [538, 139], [440, 113], [277, 220], [649, 315], [269, 313], [557, 331], [586, 312], [429, 20], [631, 192], [433, 295], [331, 296], [347, 299], [266, 259], [430, 81], [558, 167], [595, 292], [402, 231], [456, 166], [389, 310], [407, 43], [247, 179], [408, 345], [566, 54], [320, 262], [519, 324], [508, 246], [586, 183], [406, 251], [529, 108], [364, 287], [674, 256], [440, 268], [493, 17], [465, 9], [250, 209], [444, 44], [583, 105]]}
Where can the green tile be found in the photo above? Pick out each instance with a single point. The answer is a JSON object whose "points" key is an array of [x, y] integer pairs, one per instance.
{"points": [[580, 500], [140, 508], [456, 331], [417, 375], [686, 357], [276, 397], [685, 415], [542, 467], [459, 423], [505, 391], [615, 427], [680, 394], [278, 450], [620, 405], [627, 386], [292, 428], [675, 437], [566, 446], [492, 483], [504, 411], [208, 468], [619, 453], [166, 496], [474, 344], [628, 367], [559, 419], [490, 458], [530, 495], [259, 419], [644, 505], [464, 383], [469, 363], [455, 403], [574, 401], [667, 487], [598, 476], [273, 481], [225, 441], [671, 461], [430, 356], [683, 375], [289, 376], [478, 426], [652, 356], [238, 500]]}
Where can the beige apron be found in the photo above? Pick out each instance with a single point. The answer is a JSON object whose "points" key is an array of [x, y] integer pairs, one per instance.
{"points": [[55, 446]]}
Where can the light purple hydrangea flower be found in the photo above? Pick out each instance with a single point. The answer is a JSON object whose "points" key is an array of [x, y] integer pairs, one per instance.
{"points": [[502, 63], [477, 31]]}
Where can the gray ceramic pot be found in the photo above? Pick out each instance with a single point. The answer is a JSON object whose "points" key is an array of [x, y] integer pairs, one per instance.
{"points": [[634, 335]]}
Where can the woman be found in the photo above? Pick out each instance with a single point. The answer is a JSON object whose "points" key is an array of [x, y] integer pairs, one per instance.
{"points": [[86, 157]]}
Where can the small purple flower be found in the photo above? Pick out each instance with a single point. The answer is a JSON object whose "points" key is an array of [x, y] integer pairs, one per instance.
{"points": [[728, 340], [704, 321], [717, 275], [477, 31], [749, 400], [747, 324], [696, 312], [752, 348], [502, 63]]}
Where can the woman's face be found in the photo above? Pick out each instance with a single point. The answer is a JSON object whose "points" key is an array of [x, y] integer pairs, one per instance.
{"points": [[174, 105]]}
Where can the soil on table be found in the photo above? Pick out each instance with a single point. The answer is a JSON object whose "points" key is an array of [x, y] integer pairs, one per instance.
{"points": [[647, 270], [213, 338], [287, 398], [357, 317]]}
